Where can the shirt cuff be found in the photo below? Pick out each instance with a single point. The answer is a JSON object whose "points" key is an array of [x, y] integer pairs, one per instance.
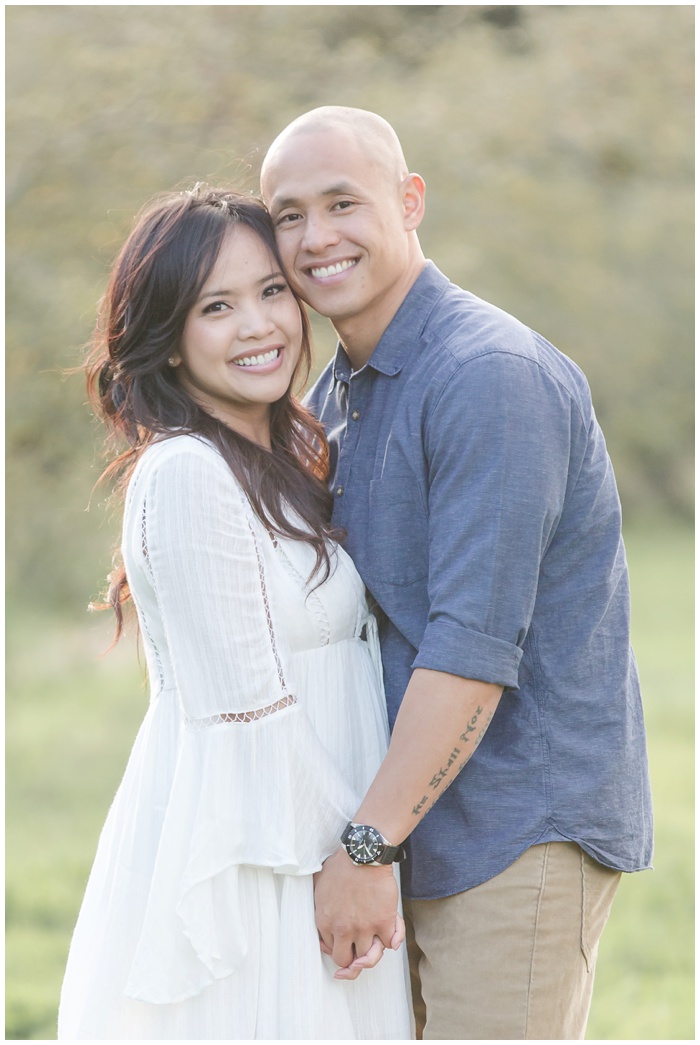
{"points": [[471, 654]]}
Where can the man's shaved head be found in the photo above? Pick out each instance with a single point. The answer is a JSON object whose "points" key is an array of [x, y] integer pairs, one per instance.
{"points": [[346, 213], [376, 138]]}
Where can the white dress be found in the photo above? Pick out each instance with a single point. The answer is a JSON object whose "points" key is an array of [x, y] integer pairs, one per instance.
{"points": [[266, 725]]}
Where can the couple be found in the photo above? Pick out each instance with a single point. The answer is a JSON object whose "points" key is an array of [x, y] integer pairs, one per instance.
{"points": [[453, 456]]}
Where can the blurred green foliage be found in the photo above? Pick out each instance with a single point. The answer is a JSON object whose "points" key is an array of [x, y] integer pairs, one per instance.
{"points": [[557, 147]]}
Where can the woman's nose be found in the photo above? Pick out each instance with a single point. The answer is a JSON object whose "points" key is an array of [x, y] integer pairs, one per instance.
{"points": [[256, 322]]}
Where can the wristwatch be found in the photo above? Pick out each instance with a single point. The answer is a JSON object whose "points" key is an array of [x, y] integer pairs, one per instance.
{"points": [[365, 845]]}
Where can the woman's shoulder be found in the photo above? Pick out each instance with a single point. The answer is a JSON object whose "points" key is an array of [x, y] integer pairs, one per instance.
{"points": [[180, 456], [179, 446]]}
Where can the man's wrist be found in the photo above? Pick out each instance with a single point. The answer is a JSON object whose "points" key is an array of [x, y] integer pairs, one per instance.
{"points": [[363, 871], [366, 846]]}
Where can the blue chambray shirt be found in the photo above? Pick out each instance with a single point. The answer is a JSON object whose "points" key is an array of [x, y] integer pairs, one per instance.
{"points": [[481, 510]]}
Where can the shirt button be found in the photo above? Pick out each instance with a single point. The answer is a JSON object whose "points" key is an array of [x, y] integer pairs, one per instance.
{"points": [[339, 491], [355, 415]]}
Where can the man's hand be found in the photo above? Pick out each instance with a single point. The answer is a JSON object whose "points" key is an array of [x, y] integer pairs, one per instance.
{"points": [[356, 913]]}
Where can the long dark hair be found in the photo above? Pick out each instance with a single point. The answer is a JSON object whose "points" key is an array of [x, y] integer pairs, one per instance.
{"points": [[156, 279]]}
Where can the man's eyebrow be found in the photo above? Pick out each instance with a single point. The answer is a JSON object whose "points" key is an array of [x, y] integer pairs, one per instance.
{"points": [[339, 189], [230, 292]]}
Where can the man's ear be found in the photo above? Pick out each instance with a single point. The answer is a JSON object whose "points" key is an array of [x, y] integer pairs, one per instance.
{"points": [[413, 196]]}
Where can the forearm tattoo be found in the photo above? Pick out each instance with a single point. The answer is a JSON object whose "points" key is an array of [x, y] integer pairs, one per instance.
{"points": [[471, 738]]}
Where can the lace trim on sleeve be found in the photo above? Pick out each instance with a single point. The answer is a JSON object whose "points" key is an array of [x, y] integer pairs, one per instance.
{"points": [[142, 620], [266, 601], [196, 724]]}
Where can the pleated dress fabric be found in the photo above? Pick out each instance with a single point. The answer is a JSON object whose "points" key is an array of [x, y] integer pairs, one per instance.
{"points": [[265, 726]]}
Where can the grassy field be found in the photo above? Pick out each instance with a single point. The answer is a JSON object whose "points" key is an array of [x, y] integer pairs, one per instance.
{"points": [[72, 716], [645, 980]]}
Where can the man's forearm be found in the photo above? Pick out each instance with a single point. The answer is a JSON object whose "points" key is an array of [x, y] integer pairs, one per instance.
{"points": [[439, 726], [440, 723]]}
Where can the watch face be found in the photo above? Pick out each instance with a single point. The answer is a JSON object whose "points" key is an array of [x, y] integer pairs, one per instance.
{"points": [[364, 844]]}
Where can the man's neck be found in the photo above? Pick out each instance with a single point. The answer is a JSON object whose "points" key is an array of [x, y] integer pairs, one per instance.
{"points": [[360, 335]]}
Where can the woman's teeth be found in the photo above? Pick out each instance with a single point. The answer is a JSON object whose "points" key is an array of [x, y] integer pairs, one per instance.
{"points": [[332, 270], [267, 357]]}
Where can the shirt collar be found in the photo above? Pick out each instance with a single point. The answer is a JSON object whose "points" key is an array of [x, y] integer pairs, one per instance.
{"points": [[393, 348]]}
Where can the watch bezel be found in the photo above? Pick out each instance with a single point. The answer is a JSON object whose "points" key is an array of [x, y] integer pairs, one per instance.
{"points": [[370, 838]]}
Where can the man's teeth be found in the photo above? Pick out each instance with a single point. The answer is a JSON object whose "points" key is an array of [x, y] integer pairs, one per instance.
{"points": [[267, 357], [332, 270]]}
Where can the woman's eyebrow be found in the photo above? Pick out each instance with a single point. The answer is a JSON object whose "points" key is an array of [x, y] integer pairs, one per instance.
{"points": [[228, 292]]}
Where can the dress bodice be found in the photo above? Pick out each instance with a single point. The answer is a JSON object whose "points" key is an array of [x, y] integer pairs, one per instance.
{"points": [[201, 564]]}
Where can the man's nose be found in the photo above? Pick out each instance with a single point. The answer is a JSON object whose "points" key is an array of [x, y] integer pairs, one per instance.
{"points": [[319, 233]]}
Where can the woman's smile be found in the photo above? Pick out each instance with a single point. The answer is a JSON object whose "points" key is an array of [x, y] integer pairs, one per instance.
{"points": [[262, 361]]}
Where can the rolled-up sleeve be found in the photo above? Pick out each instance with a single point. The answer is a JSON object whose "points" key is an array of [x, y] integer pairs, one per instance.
{"points": [[498, 441]]}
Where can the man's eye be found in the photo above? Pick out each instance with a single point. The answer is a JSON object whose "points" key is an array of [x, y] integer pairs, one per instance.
{"points": [[288, 219], [343, 204]]}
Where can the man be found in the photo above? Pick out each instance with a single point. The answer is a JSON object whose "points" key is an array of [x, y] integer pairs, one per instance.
{"points": [[481, 510]]}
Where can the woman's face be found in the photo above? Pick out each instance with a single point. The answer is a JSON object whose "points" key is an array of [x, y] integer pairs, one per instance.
{"points": [[242, 338]]}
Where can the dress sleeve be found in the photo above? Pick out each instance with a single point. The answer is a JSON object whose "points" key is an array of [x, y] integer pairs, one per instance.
{"points": [[207, 569], [253, 786]]}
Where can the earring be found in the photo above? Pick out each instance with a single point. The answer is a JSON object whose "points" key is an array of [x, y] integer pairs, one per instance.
{"points": [[171, 360]]}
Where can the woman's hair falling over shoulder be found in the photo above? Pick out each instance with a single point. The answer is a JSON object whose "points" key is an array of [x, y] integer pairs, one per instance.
{"points": [[156, 279]]}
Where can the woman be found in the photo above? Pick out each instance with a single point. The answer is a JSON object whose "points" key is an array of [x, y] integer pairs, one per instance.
{"points": [[266, 720]]}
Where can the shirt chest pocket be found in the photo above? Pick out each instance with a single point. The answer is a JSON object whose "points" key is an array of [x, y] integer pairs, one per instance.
{"points": [[398, 531]]}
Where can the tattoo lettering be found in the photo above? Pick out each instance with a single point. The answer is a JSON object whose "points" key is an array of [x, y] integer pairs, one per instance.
{"points": [[417, 808], [453, 757], [471, 726], [476, 744], [438, 778], [422, 808], [436, 782], [442, 773]]}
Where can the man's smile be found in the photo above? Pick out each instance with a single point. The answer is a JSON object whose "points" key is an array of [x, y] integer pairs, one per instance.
{"points": [[334, 268]]}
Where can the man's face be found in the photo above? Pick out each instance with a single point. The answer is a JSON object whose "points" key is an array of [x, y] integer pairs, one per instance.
{"points": [[340, 225]]}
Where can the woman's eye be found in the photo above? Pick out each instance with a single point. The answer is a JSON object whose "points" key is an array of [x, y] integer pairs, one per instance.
{"points": [[274, 289], [215, 306]]}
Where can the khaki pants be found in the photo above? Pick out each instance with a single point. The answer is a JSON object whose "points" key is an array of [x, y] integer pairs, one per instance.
{"points": [[514, 957]]}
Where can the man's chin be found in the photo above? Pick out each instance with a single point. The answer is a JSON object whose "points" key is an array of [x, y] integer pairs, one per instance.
{"points": [[321, 304]]}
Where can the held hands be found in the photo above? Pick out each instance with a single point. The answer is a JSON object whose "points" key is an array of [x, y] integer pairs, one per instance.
{"points": [[356, 913]]}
